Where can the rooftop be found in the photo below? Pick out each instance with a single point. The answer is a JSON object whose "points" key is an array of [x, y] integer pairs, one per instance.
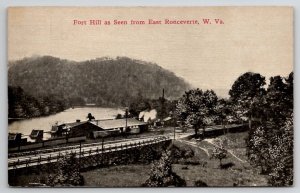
{"points": [[117, 123], [12, 136], [35, 132], [74, 124]]}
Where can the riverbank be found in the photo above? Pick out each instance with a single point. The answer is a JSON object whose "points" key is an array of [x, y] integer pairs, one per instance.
{"points": [[69, 115]]}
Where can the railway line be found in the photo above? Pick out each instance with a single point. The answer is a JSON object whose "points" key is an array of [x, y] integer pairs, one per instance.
{"points": [[84, 151]]}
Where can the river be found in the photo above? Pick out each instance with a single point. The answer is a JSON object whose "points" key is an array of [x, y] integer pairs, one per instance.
{"points": [[25, 126]]}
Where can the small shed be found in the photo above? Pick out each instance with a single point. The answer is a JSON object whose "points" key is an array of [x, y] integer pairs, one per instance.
{"points": [[15, 139], [37, 134]]}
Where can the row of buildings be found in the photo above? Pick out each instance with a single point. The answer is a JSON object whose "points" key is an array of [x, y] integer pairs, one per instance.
{"points": [[99, 128], [91, 129]]}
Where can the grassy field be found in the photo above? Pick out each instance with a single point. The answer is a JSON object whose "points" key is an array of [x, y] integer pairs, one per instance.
{"points": [[117, 176], [199, 167], [237, 170]]}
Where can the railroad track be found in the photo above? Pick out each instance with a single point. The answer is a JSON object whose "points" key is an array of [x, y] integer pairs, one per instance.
{"points": [[84, 151], [71, 147]]}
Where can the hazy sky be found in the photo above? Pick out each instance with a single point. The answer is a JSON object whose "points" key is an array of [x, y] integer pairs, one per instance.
{"points": [[257, 39]]}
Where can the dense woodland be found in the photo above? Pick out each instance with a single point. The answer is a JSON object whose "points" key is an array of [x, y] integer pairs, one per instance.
{"points": [[23, 105], [105, 81], [267, 109]]}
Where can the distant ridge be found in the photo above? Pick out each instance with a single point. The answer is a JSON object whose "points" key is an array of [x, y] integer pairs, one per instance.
{"points": [[103, 81]]}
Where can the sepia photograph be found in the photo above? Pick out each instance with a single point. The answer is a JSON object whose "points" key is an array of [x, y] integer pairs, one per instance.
{"points": [[150, 96]]}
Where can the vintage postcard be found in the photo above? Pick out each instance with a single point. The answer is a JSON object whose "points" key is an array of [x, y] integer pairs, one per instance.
{"points": [[150, 96]]}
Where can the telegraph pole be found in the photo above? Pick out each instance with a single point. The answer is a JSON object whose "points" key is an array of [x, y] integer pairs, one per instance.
{"points": [[174, 132], [163, 104], [126, 115]]}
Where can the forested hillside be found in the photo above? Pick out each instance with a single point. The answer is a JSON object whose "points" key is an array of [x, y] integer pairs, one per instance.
{"points": [[104, 81], [22, 105]]}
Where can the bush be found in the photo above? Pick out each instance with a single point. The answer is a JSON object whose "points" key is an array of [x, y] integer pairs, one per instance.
{"points": [[179, 154], [200, 183], [227, 165], [161, 174], [192, 161], [68, 173], [219, 153], [148, 154]]}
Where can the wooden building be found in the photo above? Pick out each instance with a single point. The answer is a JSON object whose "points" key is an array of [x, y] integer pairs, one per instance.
{"points": [[15, 139], [119, 126], [99, 128], [75, 129]]}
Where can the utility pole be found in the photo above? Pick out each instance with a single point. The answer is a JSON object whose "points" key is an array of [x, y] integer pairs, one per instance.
{"points": [[80, 152], [163, 104], [80, 148], [174, 132], [102, 145], [126, 115]]}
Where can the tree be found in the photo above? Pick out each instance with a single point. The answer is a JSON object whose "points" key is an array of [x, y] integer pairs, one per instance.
{"points": [[219, 152], [282, 156], [200, 183], [23, 105], [161, 174], [245, 90], [90, 117], [196, 107], [270, 144], [247, 86], [68, 173], [119, 116], [257, 150], [279, 99], [289, 89], [222, 111], [138, 106]]}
